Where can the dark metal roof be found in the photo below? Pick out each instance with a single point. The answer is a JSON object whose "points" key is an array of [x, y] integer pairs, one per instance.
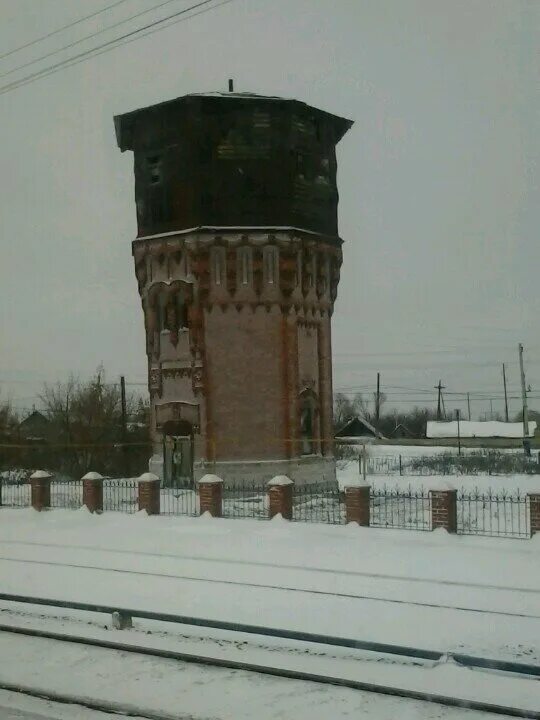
{"points": [[123, 123]]}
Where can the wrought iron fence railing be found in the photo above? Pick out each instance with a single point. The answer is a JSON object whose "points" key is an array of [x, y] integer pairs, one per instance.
{"points": [[318, 503], [472, 463], [494, 514], [245, 500], [399, 508], [491, 513], [120, 495]]}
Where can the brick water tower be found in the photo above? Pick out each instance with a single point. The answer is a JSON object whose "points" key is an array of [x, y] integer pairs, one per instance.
{"points": [[237, 259]]}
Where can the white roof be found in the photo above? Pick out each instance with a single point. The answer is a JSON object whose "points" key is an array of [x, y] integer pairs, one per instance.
{"points": [[471, 429]]}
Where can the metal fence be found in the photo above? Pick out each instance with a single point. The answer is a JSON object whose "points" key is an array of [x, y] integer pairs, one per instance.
{"points": [[473, 463], [245, 500], [179, 500], [15, 494], [499, 514], [318, 503], [398, 508], [66, 494], [494, 514], [120, 495]]}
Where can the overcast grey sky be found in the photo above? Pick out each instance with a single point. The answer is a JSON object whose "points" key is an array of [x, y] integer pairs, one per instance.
{"points": [[438, 181]]}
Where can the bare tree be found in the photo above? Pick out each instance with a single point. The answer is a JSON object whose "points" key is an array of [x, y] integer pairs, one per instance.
{"points": [[86, 418]]}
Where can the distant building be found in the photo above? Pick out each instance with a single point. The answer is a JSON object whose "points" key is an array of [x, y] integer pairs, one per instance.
{"points": [[477, 429], [358, 428], [35, 427], [402, 432]]}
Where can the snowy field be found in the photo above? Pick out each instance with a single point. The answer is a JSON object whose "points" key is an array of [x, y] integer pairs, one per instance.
{"points": [[429, 590]]}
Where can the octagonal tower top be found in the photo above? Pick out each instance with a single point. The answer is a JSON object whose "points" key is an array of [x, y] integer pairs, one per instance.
{"points": [[233, 160]]}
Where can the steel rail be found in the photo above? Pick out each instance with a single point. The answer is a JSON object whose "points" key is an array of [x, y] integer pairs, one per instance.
{"points": [[471, 661], [204, 660]]}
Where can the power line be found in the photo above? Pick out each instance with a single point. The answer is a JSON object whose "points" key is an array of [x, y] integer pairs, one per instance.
{"points": [[86, 37], [111, 44], [61, 29]]}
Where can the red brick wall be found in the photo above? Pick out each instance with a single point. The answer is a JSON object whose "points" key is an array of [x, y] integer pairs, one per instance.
{"points": [[245, 382], [534, 501]]}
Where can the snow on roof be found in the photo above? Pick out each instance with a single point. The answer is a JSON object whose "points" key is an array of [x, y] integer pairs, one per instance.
{"points": [[355, 427], [480, 429]]}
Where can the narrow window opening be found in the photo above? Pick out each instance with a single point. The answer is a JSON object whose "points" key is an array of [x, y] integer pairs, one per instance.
{"points": [[271, 265], [244, 262]]}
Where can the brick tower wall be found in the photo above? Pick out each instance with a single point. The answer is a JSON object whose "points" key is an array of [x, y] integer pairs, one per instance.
{"points": [[246, 418]]}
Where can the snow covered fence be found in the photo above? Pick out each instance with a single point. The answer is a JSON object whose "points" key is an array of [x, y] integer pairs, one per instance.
{"points": [[465, 511]]}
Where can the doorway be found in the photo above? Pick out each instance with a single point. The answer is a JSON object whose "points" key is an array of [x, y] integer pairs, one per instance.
{"points": [[178, 455]]}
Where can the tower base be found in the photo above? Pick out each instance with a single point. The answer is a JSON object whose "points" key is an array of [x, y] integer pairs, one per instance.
{"points": [[308, 470]]}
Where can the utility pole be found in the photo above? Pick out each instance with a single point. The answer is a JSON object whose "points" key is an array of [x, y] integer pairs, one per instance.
{"points": [[469, 405], [124, 423], [526, 443], [458, 433], [505, 395], [491, 408], [440, 388], [378, 400]]}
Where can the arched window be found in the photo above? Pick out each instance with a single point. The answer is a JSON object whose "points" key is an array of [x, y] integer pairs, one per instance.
{"points": [[244, 265], [270, 267], [217, 269], [181, 312], [161, 313], [308, 414]]}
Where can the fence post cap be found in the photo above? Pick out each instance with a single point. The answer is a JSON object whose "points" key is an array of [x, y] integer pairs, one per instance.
{"points": [[148, 477], [40, 475], [278, 480], [443, 486], [92, 476], [358, 486], [210, 479]]}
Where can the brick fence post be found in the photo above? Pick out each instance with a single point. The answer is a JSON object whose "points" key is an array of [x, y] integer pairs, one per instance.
{"points": [[211, 495], [444, 509], [93, 491], [357, 504], [40, 483], [148, 491], [534, 506], [280, 496]]}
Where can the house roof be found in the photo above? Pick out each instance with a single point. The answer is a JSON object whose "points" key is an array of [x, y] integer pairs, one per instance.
{"points": [[34, 415], [357, 427], [402, 426]]}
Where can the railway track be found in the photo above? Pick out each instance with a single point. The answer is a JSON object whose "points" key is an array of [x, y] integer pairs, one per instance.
{"points": [[255, 667], [379, 652]]}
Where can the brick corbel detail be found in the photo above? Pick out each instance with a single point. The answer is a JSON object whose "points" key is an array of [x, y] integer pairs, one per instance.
{"points": [[357, 504], [534, 507], [211, 495], [40, 483], [93, 491], [148, 491], [280, 497], [444, 510]]}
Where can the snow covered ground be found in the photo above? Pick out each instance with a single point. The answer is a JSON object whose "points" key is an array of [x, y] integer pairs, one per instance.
{"points": [[429, 590]]}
